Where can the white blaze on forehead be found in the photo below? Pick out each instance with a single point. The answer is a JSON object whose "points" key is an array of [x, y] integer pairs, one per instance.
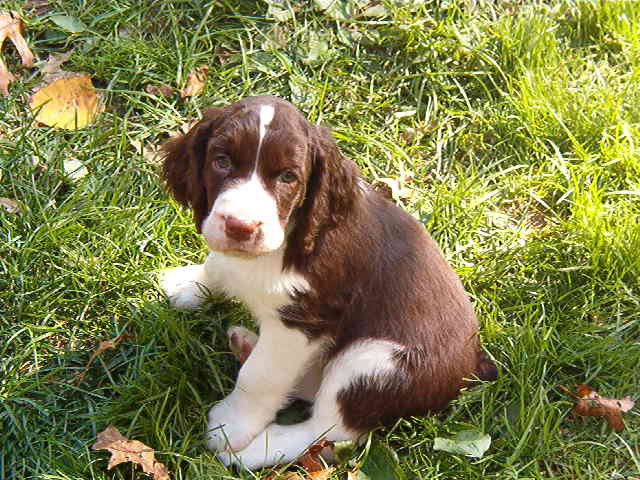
{"points": [[266, 115]]}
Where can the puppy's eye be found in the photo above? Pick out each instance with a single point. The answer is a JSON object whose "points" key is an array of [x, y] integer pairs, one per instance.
{"points": [[287, 176], [222, 161]]}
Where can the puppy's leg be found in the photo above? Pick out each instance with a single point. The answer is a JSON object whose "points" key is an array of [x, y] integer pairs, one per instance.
{"points": [[369, 362], [280, 357], [242, 342]]}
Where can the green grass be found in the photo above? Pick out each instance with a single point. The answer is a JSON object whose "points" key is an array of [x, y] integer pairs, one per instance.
{"points": [[525, 153]]}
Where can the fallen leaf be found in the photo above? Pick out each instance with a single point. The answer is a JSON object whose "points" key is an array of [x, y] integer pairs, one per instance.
{"points": [[159, 90], [54, 62], [472, 443], [150, 154], [223, 54], [323, 474], [69, 23], [38, 7], [70, 101], [396, 188], [75, 169], [279, 10], [381, 463], [105, 345], [9, 205], [195, 82], [11, 27], [589, 403], [311, 460], [283, 476], [124, 450]]}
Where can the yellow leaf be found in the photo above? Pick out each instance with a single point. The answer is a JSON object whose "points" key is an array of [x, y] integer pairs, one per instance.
{"points": [[69, 101]]}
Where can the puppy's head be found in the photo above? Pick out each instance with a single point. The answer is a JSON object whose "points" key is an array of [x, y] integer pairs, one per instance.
{"points": [[257, 173]]}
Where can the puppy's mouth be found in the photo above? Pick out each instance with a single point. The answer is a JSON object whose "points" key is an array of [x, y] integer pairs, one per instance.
{"points": [[240, 253], [240, 249]]}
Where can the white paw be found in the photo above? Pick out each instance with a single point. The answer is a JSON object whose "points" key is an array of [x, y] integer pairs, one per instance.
{"points": [[255, 456], [185, 286], [276, 445], [232, 429]]}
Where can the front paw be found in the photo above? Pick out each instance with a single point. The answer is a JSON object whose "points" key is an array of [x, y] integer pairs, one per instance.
{"points": [[232, 429], [185, 286]]}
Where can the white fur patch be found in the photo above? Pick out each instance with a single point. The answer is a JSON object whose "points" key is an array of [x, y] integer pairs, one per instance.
{"points": [[284, 443], [281, 355], [250, 202], [186, 286], [266, 115], [266, 379], [371, 357], [258, 281]]}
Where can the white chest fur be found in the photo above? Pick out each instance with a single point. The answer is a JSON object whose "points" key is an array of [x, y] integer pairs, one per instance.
{"points": [[258, 282]]}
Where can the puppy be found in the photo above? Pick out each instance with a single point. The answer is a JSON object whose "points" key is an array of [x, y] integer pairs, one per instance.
{"points": [[357, 308]]}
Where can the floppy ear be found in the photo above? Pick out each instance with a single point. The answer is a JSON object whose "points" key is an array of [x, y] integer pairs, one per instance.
{"points": [[332, 191], [183, 164]]}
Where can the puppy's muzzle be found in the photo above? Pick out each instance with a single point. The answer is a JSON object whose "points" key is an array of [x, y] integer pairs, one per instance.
{"points": [[240, 230]]}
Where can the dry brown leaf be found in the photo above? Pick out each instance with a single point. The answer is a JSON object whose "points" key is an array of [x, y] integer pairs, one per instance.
{"points": [[105, 345], [589, 403], [124, 450], [159, 90], [150, 154], [395, 188], [283, 476], [54, 62], [70, 101], [222, 54], [9, 205], [323, 474], [311, 460], [195, 82], [38, 7], [11, 27]]}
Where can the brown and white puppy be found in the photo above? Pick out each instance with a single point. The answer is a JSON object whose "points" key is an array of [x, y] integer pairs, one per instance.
{"points": [[357, 308]]}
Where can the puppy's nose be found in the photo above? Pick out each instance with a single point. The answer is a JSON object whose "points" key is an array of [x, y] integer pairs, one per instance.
{"points": [[239, 230]]}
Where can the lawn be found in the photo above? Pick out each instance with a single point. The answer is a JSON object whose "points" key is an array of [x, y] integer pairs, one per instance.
{"points": [[511, 129]]}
